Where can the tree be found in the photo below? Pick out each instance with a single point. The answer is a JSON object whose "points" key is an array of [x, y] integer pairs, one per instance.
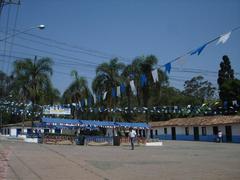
{"points": [[77, 90], [225, 73], [31, 79], [231, 89], [149, 94], [5, 84], [108, 77], [199, 89]]}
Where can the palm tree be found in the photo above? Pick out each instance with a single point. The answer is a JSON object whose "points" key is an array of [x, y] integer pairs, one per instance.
{"points": [[150, 92], [52, 96], [31, 79], [77, 90], [5, 84], [107, 77]]}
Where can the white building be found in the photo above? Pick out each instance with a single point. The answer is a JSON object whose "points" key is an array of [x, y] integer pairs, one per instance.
{"points": [[198, 128]]}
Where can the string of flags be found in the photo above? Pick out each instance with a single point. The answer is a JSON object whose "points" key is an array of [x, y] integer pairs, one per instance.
{"points": [[220, 40], [26, 109], [119, 90]]}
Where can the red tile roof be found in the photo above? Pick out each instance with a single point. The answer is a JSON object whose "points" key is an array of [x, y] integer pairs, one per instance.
{"points": [[198, 121]]}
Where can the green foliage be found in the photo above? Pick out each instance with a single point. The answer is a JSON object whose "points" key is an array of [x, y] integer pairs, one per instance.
{"points": [[231, 90], [199, 89], [225, 74], [31, 82]]}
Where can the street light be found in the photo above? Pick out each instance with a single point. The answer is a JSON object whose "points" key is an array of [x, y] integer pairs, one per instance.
{"points": [[41, 26]]}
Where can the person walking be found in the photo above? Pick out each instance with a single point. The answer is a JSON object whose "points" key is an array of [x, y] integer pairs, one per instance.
{"points": [[220, 136], [132, 135]]}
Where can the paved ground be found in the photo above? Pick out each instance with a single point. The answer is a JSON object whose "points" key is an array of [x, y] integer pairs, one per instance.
{"points": [[173, 160]]}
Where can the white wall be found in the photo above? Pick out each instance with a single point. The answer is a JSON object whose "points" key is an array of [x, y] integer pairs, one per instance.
{"points": [[13, 132], [209, 129], [236, 130]]}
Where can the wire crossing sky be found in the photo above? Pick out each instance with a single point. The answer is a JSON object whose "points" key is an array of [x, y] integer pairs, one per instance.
{"points": [[81, 34]]}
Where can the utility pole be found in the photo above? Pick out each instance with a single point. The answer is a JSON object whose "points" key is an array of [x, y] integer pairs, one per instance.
{"points": [[8, 2]]}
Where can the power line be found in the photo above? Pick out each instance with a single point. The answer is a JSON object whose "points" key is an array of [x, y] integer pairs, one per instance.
{"points": [[88, 51], [15, 24], [56, 54]]}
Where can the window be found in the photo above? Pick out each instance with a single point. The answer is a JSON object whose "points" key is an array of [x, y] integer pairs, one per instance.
{"points": [[165, 130], [204, 131], [156, 132], [186, 131]]}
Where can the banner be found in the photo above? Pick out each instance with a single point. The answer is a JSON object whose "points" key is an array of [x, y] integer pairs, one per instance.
{"points": [[57, 110]]}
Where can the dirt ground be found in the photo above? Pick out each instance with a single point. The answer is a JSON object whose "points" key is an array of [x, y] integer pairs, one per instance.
{"points": [[173, 160]]}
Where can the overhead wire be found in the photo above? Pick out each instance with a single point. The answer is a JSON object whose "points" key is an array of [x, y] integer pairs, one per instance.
{"points": [[15, 25], [6, 33], [91, 52]]}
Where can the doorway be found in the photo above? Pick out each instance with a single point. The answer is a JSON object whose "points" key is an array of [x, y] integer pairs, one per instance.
{"points": [[196, 133], [215, 130], [228, 130], [173, 133], [19, 131], [151, 134]]}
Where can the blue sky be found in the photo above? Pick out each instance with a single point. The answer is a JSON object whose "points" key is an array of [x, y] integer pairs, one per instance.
{"points": [[125, 29]]}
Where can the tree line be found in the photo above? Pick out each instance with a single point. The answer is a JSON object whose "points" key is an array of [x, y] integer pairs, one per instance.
{"points": [[30, 82]]}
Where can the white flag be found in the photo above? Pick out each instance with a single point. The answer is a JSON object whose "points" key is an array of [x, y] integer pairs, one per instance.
{"points": [[118, 91], [133, 88], [94, 99], [155, 75], [223, 38], [104, 95], [234, 102]]}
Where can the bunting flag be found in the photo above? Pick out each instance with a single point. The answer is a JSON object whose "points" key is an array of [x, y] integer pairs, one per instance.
{"points": [[131, 75], [122, 88], [82, 103], [99, 98], [94, 99], [133, 88], [114, 94], [90, 101], [143, 80], [198, 50], [118, 91], [225, 104], [104, 95], [234, 102], [168, 67], [155, 75], [223, 38]]}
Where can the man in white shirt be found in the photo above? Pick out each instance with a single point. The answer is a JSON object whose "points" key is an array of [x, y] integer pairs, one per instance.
{"points": [[132, 135], [220, 136]]}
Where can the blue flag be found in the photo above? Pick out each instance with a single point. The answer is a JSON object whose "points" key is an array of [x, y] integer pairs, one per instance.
{"points": [[122, 88], [114, 93], [82, 102], [168, 67], [199, 50], [143, 80], [89, 101]]}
